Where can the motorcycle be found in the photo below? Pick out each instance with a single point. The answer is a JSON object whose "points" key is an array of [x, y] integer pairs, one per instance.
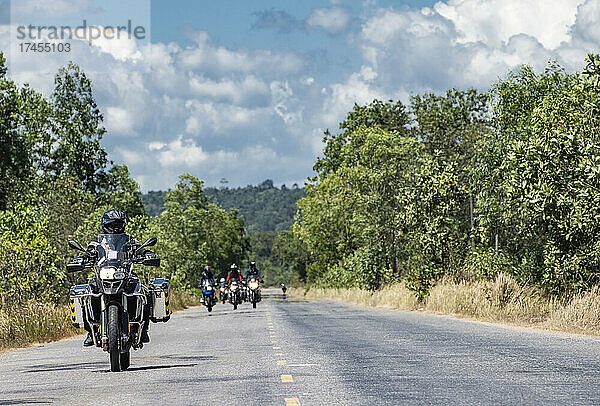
{"points": [[114, 307], [283, 289], [235, 294], [223, 292], [254, 295], [208, 294]]}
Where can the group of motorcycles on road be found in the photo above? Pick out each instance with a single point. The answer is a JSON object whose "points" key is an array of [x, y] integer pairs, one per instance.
{"points": [[237, 291], [116, 309]]}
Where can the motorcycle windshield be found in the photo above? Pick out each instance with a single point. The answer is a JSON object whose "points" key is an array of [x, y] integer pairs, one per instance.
{"points": [[112, 249]]}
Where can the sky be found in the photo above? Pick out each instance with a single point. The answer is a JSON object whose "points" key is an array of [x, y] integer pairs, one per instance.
{"points": [[243, 90]]}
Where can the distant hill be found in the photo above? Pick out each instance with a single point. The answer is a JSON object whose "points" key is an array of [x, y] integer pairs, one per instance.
{"points": [[264, 207]]}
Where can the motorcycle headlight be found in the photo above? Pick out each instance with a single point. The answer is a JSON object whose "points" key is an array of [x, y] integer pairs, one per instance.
{"points": [[109, 272], [254, 285]]}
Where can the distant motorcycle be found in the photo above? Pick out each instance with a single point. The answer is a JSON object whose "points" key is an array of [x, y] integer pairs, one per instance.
{"points": [[283, 289], [235, 294], [208, 294], [254, 295], [223, 291], [244, 291]]}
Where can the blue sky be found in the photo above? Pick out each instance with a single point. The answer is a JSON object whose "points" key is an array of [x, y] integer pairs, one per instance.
{"points": [[243, 90]]}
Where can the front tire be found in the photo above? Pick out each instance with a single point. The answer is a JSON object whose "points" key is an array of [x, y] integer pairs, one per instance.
{"points": [[254, 305], [114, 333]]}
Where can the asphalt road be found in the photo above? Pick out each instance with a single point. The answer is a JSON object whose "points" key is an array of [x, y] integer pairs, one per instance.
{"points": [[313, 353]]}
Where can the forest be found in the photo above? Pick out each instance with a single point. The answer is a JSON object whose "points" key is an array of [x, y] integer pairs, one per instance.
{"points": [[462, 186], [264, 207]]}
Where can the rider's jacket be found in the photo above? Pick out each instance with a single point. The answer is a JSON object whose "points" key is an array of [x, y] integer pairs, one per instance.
{"points": [[234, 274], [207, 275], [253, 272]]}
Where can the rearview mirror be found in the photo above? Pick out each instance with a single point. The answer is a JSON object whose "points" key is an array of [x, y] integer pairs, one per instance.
{"points": [[76, 246], [150, 242]]}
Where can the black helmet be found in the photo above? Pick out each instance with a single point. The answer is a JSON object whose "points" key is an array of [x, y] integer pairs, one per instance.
{"points": [[234, 266], [113, 222], [252, 264], [207, 268]]}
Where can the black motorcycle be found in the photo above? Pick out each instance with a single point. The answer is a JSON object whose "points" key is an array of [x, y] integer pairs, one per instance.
{"points": [[115, 309]]}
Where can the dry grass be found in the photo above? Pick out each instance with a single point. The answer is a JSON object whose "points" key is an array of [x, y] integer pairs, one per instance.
{"points": [[500, 301], [181, 300], [34, 323]]}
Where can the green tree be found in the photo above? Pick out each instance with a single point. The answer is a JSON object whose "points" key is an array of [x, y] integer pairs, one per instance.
{"points": [[193, 233], [74, 149]]}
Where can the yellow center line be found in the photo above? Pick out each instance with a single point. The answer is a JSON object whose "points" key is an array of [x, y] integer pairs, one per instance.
{"points": [[281, 362], [279, 353], [276, 348], [287, 378], [292, 402]]}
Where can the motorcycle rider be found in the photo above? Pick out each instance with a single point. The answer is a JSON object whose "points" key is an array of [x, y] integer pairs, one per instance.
{"points": [[206, 275], [234, 273], [113, 222], [253, 271]]}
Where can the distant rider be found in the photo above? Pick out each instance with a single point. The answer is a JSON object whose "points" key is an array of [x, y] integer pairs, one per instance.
{"points": [[206, 275], [253, 271], [234, 273], [113, 222]]}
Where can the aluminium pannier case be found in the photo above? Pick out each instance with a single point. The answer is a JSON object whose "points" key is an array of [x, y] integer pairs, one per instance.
{"points": [[160, 290], [76, 298]]}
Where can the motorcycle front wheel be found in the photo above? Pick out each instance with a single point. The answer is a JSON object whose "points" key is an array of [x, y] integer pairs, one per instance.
{"points": [[113, 338]]}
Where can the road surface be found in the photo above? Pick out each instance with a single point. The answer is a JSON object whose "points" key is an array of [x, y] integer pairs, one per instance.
{"points": [[291, 352]]}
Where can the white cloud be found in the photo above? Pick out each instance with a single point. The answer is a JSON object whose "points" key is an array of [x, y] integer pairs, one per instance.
{"points": [[247, 115], [496, 21], [217, 59], [119, 120], [181, 153], [249, 90], [332, 19]]}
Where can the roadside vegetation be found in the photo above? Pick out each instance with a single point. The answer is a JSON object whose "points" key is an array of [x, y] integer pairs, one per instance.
{"points": [[502, 300], [485, 205]]}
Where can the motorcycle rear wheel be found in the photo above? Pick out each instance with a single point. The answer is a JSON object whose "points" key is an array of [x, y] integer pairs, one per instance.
{"points": [[113, 338]]}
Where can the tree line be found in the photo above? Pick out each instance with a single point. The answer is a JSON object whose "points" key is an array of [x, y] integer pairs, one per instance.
{"points": [[265, 207], [462, 185]]}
